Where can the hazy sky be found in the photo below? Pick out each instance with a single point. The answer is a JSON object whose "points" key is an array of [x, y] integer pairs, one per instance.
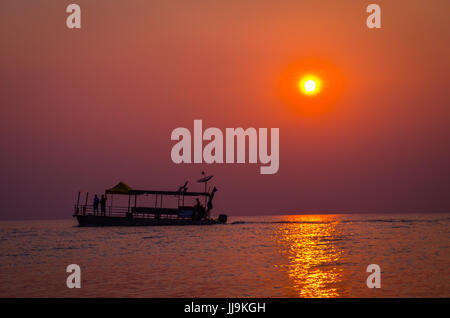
{"points": [[84, 109]]}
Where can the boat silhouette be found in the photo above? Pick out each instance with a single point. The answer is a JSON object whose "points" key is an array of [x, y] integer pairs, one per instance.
{"points": [[157, 214]]}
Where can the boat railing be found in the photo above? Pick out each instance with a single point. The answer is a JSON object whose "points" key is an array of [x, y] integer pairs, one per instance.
{"points": [[122, 211]]}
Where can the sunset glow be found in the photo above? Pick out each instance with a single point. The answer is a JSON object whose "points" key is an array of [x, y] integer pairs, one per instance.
{"points": [[217, 158]]}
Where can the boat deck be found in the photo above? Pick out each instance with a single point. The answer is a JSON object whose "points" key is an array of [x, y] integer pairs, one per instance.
{"points": [[142, 216]]}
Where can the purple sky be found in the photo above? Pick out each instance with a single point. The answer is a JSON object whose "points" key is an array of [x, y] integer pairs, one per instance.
{"points": [[85, 109]]}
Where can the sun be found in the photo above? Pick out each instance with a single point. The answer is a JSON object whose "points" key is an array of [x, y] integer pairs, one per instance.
{"points": [[309, 85]]}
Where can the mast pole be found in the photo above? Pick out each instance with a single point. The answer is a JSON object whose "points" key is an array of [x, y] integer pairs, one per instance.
{"points": [[205, 195], [85, 203], [78, 202], [111, 204]]}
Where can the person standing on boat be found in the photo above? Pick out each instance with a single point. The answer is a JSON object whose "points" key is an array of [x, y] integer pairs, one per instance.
{"points": [[198, 205], [103, 204], [199, 210], [96, 202]]}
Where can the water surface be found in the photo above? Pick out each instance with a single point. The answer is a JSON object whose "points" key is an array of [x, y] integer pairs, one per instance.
{"points": [[275, 256]]}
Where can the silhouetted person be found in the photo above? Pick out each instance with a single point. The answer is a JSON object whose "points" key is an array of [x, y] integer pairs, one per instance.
{"points": [[103, 204], [199, 209], [198, 205], [96, 202]]}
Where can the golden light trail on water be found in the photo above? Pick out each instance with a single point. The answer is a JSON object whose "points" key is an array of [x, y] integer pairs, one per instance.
{"points": [[307, 241]]}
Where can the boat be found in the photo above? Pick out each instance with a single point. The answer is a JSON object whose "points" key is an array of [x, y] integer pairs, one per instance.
{"points": [[137, 215]]}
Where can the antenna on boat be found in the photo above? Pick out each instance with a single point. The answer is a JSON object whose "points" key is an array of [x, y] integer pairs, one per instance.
{"points": [[182, 189], [204, 179], [211, 197]]}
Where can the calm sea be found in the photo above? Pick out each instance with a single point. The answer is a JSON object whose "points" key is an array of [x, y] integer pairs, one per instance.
{"points": [[276, 256]]}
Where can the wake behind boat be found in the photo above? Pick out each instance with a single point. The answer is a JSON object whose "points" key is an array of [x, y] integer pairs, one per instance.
{"points": [[135, 214]]}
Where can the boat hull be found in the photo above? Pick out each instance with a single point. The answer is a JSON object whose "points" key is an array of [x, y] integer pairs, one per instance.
{"points": [[96, 220]]}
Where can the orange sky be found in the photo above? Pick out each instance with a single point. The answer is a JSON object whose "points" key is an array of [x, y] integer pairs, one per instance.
{"points": [[84, 109]]}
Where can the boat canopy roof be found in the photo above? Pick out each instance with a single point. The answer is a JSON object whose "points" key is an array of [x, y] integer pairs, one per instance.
{"points": [[123, 188], [192, 194], [120, 188]]}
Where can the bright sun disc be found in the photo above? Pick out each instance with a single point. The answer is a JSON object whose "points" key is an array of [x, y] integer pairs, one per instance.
{"points": [[309, 85]]}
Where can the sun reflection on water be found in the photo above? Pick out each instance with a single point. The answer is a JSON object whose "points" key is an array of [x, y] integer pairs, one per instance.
{"points": [[309, 242]]}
